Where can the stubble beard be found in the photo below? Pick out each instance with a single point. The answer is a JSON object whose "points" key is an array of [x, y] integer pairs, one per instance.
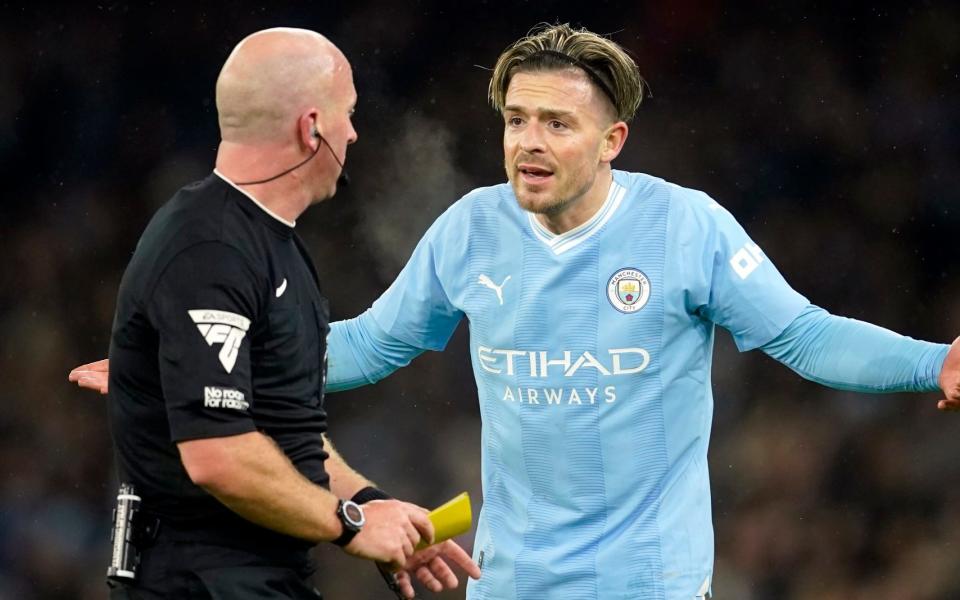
{"points": [[551, 206]]}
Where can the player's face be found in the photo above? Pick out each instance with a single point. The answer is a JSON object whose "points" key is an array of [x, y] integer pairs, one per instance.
{"points": [[555, 125]]}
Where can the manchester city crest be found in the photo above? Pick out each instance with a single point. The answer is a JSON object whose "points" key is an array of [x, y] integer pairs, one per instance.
{"points": [[628, 290]]}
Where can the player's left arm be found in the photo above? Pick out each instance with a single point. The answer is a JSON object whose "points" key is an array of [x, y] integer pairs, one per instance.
{"points": [[852, 355], [733, 283]]}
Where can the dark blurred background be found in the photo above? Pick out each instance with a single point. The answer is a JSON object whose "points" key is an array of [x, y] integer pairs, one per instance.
{"points": [[831, 130]]}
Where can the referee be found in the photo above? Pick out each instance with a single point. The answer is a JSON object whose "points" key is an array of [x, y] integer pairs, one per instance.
{"points": [[216, 401]]}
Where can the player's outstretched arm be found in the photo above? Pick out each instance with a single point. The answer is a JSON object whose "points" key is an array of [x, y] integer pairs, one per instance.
{"points": [[93, 376], [852, 355], [950, 379]]}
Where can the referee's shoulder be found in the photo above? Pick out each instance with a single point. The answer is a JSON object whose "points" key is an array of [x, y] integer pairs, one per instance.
{"points": [[197, 214]]}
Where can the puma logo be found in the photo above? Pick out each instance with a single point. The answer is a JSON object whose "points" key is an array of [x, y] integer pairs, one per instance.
{"points": [[487, 282]]}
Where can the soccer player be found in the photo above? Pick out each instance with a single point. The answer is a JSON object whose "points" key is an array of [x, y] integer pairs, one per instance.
{"points": [[592, 296]]}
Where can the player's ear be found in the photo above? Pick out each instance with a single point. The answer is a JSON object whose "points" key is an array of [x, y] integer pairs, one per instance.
{"points": [[613, 140]]}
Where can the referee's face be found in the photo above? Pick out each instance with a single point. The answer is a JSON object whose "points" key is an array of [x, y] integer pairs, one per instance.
{"points": [[336, 127], [554, 139]]}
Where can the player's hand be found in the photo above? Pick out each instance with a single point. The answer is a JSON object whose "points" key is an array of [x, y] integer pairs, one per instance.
{"points": [[431, 567], [391, 532], [950, 379], [93, 376]]}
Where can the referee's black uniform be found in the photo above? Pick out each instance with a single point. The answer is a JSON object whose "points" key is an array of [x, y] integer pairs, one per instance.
{"points": [[220, 330]]}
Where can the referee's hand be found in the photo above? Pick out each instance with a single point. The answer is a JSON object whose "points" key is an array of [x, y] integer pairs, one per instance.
{"points": [[93, 376], [391, 532]]}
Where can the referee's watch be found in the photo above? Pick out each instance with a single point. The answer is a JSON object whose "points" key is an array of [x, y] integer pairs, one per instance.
{"points": [[351, 516]]}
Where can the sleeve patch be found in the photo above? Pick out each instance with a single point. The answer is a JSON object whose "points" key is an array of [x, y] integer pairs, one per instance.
{"points": [[222, 327]]}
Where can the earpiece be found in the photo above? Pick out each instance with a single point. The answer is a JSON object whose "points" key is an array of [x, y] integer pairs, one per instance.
{"points": [[343, 179]]}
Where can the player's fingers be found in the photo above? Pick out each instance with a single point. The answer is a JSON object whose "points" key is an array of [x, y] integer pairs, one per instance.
{"points": [[405, 583], [443, 573], [427, 579], [101, 365], [949, 405], [79, 373], [86, 381], [95, 383], [452, 551]]}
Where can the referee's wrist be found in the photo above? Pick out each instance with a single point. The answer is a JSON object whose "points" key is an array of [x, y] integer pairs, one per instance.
{"points": [[370, 493]]}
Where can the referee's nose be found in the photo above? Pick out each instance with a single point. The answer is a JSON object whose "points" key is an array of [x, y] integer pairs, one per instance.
{"points": [[351, 134]]}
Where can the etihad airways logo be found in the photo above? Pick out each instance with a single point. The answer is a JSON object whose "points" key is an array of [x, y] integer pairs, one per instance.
{"points": [[540, 363]]}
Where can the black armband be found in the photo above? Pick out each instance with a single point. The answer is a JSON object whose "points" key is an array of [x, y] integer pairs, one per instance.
{"points": [[370, 493]]}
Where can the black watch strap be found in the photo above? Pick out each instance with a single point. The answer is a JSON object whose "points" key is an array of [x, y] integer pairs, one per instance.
{"points": [[351, 527], [346, 537], [370, 493]]}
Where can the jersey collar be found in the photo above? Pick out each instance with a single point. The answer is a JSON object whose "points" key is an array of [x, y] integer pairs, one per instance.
{"points": [[567, 240], [290, 224]]}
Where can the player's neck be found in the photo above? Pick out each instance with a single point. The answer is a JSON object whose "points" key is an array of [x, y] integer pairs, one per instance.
{"points": [[285, 196], [581, 209]]}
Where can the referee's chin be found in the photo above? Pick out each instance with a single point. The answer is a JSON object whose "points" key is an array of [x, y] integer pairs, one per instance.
{"points": [[325, 195]]}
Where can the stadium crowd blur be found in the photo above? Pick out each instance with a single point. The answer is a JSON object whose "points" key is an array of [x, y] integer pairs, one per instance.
{"points": [[833, 134]]}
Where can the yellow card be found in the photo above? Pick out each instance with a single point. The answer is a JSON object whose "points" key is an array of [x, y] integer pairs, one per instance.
{"points": [[451, 519]]}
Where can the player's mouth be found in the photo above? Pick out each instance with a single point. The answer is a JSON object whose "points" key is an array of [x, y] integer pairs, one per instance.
{"points": [[534, 174]]}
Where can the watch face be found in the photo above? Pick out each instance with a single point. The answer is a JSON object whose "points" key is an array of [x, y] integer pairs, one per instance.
{"points": [[353, 512]]}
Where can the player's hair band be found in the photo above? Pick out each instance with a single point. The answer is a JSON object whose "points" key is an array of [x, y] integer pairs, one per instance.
{"points": [[577, 63]]}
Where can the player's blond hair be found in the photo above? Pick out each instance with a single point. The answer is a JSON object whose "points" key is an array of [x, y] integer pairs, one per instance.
{"points": [[556, 47]]}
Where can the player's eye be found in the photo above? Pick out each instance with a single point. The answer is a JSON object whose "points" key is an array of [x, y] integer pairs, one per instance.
{"points": [[555, 124], [515, 121]]}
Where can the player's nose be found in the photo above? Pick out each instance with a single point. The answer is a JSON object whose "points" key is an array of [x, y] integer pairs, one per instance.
{"points": [[532, 139]]}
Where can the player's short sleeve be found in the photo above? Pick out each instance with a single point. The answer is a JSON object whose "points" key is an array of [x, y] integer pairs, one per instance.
{"points": [[416, 309], [730, 280], [204, 307]]}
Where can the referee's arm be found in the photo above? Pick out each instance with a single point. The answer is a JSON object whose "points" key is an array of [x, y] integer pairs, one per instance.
{"points": [[250, 475], [344, 481]]}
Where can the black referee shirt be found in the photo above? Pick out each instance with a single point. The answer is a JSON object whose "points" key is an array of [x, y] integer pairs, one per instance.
{"points": [[220, 329]]}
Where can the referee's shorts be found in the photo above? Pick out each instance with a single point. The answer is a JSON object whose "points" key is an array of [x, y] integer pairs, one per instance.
{"points": [[191, 570]]}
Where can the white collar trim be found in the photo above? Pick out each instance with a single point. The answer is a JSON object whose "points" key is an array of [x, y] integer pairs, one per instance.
{"points": [[567, 240], [255, 201]]}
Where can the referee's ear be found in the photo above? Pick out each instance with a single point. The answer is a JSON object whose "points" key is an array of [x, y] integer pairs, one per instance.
{"points": [[308, 130], [613, 140]]}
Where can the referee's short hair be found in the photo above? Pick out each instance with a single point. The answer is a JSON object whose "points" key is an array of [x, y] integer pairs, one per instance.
{"points": [[557, 47]]}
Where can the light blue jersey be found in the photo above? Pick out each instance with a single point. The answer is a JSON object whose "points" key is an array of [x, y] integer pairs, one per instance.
{"points": [[592, 356]]}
